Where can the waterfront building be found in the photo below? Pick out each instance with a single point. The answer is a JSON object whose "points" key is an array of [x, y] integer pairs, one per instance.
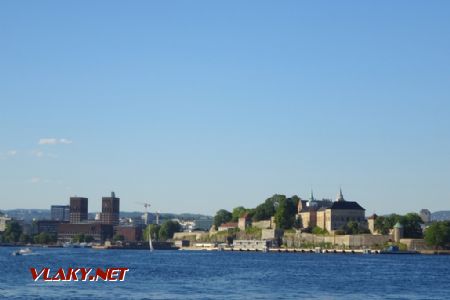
{"points": [[244, 222], [371, 224], [3, 221], [99, 232], [330, 215], [48, 226], [182, 243], [226, 226], [309, 211], [78, 209], [129, 233], [186, 225], [258, 245], [60, 212], [425, 214], [195, 225], [110, 210]]}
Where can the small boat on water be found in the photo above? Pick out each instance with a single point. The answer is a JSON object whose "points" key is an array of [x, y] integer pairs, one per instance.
{"points": [[77, 245], [24, 251]]}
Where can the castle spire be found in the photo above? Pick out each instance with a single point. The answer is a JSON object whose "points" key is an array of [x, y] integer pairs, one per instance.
{"points": [[311, 197], [340, 196]]}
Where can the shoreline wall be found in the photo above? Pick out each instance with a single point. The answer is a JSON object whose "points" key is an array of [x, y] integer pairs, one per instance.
{"points": [[348, 241]]}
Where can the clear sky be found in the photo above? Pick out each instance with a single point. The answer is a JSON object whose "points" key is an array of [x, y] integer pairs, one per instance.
{"points": [[194, 106]]}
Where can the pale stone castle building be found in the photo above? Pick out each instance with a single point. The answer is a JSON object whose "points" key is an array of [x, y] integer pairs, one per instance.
{"points": [[330, 215]]}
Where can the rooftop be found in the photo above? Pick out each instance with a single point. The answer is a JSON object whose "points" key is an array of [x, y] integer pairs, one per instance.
{"points": [[346, 205], [229, 225]]}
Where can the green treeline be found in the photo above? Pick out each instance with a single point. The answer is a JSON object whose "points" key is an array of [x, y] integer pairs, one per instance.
{"points": [[161, 232], [14, 234], [284, 211], [279, 206]]}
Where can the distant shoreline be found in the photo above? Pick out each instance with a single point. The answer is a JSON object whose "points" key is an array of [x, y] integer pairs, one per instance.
{"points": [[230, 249]]}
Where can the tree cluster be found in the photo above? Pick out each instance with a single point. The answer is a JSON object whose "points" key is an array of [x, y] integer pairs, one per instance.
{"points": [[14, 234], [82, 238], [279, 206], [162, 232], [438, 235], [411, 224], [353, 227], [222, 216]]}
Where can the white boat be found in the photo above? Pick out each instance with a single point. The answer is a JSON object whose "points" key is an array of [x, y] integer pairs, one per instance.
{"points": [[24, 251], [85, 245], [150, 244]]}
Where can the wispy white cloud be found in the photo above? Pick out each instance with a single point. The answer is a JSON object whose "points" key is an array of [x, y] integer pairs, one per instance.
{"points": [[4, 155], [41, 154], [11, 152], [54, 141], [35, 180], [38, 153], [48, 141], [65, 141]]}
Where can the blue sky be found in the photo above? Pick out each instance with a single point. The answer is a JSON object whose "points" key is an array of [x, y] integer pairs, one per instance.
{"points": [[195, 106]]}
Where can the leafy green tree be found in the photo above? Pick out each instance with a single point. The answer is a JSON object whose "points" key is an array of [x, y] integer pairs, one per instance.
{"points": [[78, 238], [285, 213], [384, 224], [237, 213], [319, 231], [297, 223], [168, 228], [154, 232], [412, 226], [222, 216], [263, 212], [118, 237], [353, 227], [266, 210], [43, 238], [380, 226], [295, 199], [88, 238], [24, 238], [438, 234], [12, 232]]}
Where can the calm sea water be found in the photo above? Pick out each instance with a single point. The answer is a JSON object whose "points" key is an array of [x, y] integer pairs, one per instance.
{"points": [[230, 275]]}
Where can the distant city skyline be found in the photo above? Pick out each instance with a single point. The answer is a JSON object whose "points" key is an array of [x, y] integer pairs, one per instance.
{"points": [[199, 106]]}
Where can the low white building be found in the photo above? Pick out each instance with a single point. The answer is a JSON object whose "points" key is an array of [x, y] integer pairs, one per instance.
{"points": [[259, 245], [3, 221]]}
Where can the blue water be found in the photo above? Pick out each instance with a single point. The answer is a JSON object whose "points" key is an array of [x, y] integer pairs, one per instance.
{"points": [[229, 275]]}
